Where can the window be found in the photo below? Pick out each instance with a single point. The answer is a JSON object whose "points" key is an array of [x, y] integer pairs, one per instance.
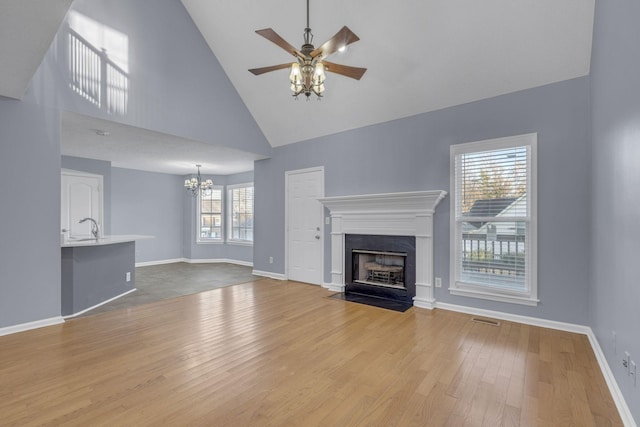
{"points": [[493, 219], [209, 227], [240, 213]]}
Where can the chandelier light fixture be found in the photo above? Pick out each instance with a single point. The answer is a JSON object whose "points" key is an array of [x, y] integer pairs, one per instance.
{"points": [[197, 184], [307, 72]]}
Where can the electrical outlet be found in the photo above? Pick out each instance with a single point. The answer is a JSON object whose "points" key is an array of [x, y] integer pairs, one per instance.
{"points": [[625, 361], [438, 282], [128, 276], [327, 220], [632, 371], [270, 260]]}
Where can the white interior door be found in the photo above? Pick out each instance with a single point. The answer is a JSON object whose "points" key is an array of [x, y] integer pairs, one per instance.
{"points": [[81, 197], [305, 226]]}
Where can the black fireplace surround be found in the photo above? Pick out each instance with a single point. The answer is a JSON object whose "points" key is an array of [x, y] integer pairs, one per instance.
{"points": [[388, 244]]}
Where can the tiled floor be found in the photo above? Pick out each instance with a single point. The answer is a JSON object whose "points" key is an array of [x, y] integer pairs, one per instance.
{"points": [[164, 281]]}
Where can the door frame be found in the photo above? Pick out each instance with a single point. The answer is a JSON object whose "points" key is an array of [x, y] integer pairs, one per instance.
{"points": [[81, 174], [286, 219]]}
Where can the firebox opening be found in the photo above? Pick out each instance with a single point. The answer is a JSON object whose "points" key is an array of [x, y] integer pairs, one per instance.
{"points": [[386, 269]]}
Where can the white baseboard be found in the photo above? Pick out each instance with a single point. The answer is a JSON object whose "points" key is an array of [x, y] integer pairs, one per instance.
{"points": [[424, 303], [616, 394], [219, 261], [534, 321], [160, 262], [333, 287], [269, 274], [195, 261], [31, 325], [71, 316]]}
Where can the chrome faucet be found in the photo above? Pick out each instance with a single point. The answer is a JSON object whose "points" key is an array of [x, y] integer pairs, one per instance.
{"points": [[95, 230]]}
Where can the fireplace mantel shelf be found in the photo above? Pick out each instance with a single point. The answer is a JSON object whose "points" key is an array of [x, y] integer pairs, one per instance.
{"points": [[414, 201], [394, 214]]}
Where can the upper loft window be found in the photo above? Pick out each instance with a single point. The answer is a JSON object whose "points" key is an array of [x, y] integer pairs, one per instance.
{"points": [[493, 219]]}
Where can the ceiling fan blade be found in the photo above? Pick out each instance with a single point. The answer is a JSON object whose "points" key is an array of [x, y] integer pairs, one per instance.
{"points": [[345, 70], [342, 38], [272, 36], [258, 71]]}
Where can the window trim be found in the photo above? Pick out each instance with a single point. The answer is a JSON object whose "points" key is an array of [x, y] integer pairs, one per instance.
{"points": [[229, 225], [206, 241], [457, 287]]}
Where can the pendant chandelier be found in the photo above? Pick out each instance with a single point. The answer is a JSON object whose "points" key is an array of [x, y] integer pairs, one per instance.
{"points": [[197, 184]]}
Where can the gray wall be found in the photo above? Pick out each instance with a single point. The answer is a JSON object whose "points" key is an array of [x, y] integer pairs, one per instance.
{"points": [[204, 251], [156, 204], [615, 293], [176, 86], [94, 274], [149, 203], [413, 154], [29, 213], [97, 167]]}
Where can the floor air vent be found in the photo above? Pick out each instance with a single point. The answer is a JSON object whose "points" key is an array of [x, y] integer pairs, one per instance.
{"points": [[489, 322]]}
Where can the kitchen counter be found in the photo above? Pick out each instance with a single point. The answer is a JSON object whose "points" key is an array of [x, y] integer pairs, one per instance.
{"points": [[97, 271], [105, 240]]}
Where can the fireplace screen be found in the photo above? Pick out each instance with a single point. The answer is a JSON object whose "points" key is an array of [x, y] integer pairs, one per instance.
{"points": [[379, 268]]}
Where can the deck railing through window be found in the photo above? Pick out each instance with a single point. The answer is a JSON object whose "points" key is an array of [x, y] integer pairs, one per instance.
{"points": [[504, 255]]}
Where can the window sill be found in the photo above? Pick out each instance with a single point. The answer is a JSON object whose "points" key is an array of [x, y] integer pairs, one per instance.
{"points": [[494, 296], [240, 242], [209, 242]]}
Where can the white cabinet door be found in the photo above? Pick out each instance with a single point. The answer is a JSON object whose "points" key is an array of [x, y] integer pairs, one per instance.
{"points": [[81, 197], [304, 226]]}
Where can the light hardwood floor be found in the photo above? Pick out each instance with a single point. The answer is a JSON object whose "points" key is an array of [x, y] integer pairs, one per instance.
{"points": [[283, 354]]}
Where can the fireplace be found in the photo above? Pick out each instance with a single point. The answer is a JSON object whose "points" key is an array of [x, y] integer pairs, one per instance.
{"points": [[380, 266], [406, 219], [376, 268]]}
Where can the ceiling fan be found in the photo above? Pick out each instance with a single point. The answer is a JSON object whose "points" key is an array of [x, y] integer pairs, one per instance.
{"points": [[307, 73]]}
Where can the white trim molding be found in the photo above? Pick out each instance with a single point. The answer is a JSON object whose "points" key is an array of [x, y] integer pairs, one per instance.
{"points": [[269, 274], [160, 262], [195, 261], [390, 214], [219, 261], [70, 316], [466, 286], [14, 329], [616, 393]]}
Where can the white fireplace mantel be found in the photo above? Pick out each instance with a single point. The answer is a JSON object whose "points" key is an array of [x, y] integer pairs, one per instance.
{"points": [[391, 214]]}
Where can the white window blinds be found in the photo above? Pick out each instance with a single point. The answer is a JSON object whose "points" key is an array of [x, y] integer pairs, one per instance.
{"points": [[492, 182], [241, 218], [210, 215]]}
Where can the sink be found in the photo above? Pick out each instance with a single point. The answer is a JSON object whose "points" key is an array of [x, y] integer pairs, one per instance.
{"points": [[84, 239]]}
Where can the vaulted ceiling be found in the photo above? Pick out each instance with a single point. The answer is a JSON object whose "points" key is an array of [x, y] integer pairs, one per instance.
{"points": [[26, 30], [420, 55]]}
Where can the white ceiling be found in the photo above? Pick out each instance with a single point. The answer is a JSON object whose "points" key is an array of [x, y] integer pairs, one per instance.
{"points": [[27, 28], [421, 55], [135, 148]]}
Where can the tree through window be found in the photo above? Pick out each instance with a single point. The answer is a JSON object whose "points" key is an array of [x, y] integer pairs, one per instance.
{"points": [[493, 219]]}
